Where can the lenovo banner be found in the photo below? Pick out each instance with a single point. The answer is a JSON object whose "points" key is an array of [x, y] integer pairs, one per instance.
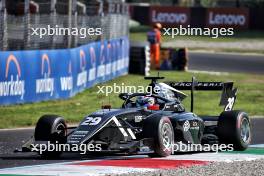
{"points": [[237, 18], [169, 16], [31, 76]]}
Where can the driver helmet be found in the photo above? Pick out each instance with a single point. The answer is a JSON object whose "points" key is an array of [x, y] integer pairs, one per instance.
{"points": [[145, 101], [157, 25]]}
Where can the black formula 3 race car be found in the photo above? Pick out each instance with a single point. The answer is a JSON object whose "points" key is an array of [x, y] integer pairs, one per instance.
{"points": [[150, 123]]}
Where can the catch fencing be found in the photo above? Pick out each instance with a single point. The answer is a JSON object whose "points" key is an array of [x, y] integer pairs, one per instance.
{"points": [[58, 67], [16, 25]]}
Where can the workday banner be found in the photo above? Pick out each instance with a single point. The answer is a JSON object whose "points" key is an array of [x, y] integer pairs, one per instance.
{"points": [[31, 76]]}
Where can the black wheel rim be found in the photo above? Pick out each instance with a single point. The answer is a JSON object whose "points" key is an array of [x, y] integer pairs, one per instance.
{"points": [[166, 133], [61, 130], [245, 130]]}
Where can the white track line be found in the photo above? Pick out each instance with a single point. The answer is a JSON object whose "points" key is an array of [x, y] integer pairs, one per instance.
{"points": [[226, 53], [209, 72], [257, 146]]}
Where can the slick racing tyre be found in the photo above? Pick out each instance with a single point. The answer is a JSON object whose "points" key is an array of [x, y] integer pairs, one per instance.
{"points": [[234, 128], [51, 128], [161, 130]]}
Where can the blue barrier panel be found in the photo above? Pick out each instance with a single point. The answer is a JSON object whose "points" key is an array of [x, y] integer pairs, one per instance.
{"points": [[31, 76]]}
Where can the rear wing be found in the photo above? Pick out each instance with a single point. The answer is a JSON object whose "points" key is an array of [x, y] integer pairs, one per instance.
{"points": [[228, 96]]}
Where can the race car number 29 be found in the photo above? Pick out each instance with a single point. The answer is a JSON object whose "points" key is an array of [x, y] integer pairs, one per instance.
{"points": [[91, 121]]}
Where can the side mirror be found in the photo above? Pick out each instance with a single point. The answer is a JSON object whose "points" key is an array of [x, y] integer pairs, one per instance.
{"points": [[123, 96]]}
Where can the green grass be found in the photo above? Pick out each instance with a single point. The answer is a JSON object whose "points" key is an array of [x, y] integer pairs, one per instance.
{"points": [[253, 35], [139, 34], [254, 151], [227, 50], [239, 36], [250, 99]]}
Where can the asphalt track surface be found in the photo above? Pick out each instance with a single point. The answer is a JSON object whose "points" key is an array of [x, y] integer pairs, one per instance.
{"points": [[221, 62], [12, 139]]}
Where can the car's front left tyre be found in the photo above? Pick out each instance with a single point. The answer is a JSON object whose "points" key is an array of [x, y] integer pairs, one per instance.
{"points": [[161, 131], [51, 128]]}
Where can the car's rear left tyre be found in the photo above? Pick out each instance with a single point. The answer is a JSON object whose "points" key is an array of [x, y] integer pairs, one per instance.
{"points": [[234, 128], [51, 128], [161, 130]]}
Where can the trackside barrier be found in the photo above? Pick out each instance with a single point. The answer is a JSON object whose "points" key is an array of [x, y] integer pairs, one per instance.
{"points": [[37, 75]]}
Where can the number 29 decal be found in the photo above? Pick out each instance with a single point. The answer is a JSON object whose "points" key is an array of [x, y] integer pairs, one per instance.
{"points": [[230, 104], [91, 121]]}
